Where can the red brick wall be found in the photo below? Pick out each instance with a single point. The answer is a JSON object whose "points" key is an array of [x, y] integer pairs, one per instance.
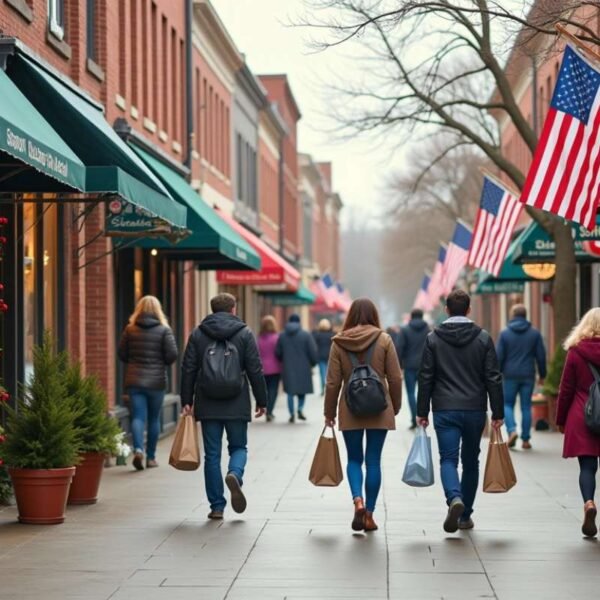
{"points": [[268, 179]]}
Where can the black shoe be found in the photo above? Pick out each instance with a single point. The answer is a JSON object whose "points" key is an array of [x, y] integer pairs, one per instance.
{"points": [[455, 512], [138, 461], [292, 419], [301, 416], [238, 500], [270, 418]]}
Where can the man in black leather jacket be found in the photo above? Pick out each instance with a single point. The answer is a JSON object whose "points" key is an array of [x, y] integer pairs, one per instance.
{"points": [[459, 371], [216, 415]]}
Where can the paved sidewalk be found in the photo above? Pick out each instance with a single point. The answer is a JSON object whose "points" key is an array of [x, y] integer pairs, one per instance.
{"points": [[148, 537]]}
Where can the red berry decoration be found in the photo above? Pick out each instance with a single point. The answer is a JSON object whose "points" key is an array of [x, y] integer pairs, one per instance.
{"points": [[4, 396], [3, 221], [2, 239], [2, 439], [3, 306]]}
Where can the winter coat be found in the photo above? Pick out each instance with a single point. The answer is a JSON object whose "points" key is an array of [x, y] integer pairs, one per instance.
{"points": [[267, 342], [222, 326], [323, 342], [460, 370], [298, 351], [411, 342], [574, 389], [385, 363], [147, 348], [519, 348]]}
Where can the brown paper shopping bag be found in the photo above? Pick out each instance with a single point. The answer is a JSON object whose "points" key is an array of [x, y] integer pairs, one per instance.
{"points": [[185, 452], [326, 469], [499, 474]]}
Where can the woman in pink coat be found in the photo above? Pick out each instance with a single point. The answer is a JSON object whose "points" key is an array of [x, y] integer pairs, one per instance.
{"points": [[583, 346], [267, 342]]}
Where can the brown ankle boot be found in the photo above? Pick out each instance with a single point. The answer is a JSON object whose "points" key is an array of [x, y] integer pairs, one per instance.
{"points": [[370, 524], [358, 523], [589, 528]]}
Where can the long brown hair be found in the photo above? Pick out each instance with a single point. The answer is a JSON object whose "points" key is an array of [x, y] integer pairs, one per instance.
{"points": [[362, 312], [268, 324]]}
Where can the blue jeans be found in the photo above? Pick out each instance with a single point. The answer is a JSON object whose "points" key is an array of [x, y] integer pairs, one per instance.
{"points": [[272, 390], [371, 459], [301, 399], [524, 388], [460, 431], [145, 405], [410, 381], [237, 442], [323, 372]]}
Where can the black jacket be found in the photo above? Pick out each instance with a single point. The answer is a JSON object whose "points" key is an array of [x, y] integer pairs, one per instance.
{"points": [[323, 342], [459, 370], [297, 351], [222, 326], [147, 348], [411, 343]]}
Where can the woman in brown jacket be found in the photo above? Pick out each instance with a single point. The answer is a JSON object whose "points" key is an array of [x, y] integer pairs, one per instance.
{"points": [[361, 331]]}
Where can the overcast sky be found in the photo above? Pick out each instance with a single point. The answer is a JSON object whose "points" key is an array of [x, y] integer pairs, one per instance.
{"points": [[258, 28]]}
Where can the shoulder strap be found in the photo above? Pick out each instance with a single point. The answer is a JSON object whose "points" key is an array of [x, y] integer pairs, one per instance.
{"points": [[594, 371], [368, 355]]}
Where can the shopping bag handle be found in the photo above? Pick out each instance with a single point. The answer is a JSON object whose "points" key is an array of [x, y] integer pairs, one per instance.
{"points": [[496, 437], [325, 429]]}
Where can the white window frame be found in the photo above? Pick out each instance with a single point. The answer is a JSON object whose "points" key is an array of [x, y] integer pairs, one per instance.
{"points": [[55, 16]]}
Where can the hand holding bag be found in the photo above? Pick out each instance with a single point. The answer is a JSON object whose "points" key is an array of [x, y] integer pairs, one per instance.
{"points": [[185, 452], [418, 471], [326, 469], [499, 474]]}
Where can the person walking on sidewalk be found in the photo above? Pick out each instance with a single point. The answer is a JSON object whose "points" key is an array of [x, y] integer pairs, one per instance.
{"points": [[298, 352], [362, 341], [147, 348], [323, 336], [458, 372], [411, 342], [583, 353], [520, 346], [267, 342], [220, 358]]}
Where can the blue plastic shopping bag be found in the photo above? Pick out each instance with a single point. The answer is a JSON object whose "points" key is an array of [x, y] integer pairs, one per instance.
{"points": [[418, 471]]}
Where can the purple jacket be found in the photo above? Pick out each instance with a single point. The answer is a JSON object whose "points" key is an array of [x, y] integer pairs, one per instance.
{"points": [[266, 347]]}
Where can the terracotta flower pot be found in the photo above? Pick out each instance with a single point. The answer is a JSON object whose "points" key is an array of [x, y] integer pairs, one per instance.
{"points": [[86, 481], [539, 411], [41, 494]]}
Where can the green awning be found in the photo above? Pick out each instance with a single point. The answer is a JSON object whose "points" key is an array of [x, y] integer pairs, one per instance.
{"points": [[113, 168], [28, 137], [302, 296], [510, 280], [211, 243]]}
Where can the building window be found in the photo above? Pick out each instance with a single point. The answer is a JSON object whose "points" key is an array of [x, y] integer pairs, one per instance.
{"points": [[91, 30], [56, 18], [239, 168]]}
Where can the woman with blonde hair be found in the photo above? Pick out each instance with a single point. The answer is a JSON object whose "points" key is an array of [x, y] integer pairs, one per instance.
{"points": [[147, 347], [267, 342], [581, 367], [323, 336]]}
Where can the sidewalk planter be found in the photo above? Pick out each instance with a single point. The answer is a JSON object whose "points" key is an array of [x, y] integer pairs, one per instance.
{"points": [[41, 494], [86, 481], [539, 408]]}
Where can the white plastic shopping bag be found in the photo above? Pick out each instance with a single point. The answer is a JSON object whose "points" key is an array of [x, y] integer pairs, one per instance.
{"points": [[418, 471]]}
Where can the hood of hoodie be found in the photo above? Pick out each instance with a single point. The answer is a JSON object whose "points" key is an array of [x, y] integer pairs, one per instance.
{"points": [[147, 321], [221, 325], [357, 339], [458, 334], [519, 325], [292, 328], [589, 349], [418, 324]]}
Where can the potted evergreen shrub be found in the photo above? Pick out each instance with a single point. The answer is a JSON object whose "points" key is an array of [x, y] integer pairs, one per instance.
{"points": [[98, 433], [552, 383], [42, 443]]}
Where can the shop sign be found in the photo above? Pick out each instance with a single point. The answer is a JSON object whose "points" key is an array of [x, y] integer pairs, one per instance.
{"points": [[501, 287], [126, 219]]}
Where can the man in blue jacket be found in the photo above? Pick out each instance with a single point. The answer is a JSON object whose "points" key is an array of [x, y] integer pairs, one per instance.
{"points": [[519, 348]]}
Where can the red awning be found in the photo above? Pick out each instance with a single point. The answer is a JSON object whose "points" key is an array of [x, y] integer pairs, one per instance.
{"points": [[274, 271]]}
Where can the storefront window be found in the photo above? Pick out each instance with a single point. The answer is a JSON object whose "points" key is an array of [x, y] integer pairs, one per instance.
{"points": [[50, 261], [29, 284]]}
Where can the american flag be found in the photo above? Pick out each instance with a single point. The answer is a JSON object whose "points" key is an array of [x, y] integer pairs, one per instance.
{"points": [[422, 300], [456, 256], [565, 174], [499, 211], [435, 285]]}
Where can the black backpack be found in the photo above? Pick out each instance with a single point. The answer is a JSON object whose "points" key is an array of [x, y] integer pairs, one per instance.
{"points": [[365, 394], [222, 376], [592, 406]]}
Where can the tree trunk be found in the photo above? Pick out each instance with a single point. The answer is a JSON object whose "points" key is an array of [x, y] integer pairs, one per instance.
{"points": [[563, 288]]}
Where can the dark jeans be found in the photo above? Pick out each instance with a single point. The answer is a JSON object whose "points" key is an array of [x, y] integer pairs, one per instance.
{"points": [[371, 459], [524, 388], [301, 400], [588, 466], [410, 381], [459, 432], [145, 405], [237, 442], [272, 390]]}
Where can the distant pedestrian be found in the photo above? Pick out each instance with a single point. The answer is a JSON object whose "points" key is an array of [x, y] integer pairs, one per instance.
{"points": [[362, 341], [458, 372], [147, 348], [411, 343], [298, 352], [520, 347], [267, 342], [583, 346], [323, 336], [220, 358]]}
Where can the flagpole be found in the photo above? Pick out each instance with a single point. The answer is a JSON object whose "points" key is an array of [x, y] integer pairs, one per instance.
{"points": [[495, 179], [575, 40]]}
